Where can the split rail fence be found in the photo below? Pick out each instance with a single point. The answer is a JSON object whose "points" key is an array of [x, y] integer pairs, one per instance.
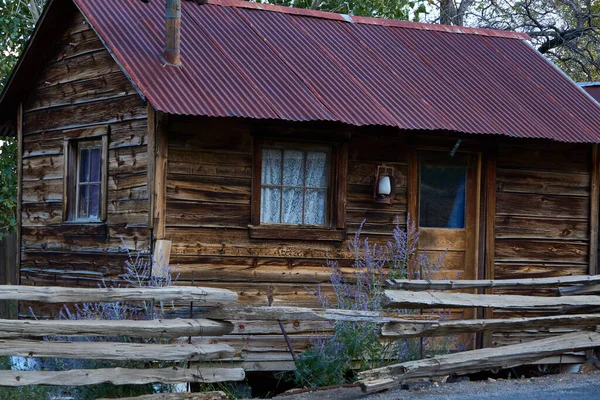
{"points": [[575, 309], [22, 338]]}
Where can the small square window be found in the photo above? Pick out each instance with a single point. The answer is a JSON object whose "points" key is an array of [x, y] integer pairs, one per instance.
{"points": [[299, 190], [85, 180], [294, 186]]}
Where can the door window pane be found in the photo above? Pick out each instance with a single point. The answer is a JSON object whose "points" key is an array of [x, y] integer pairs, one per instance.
{"points": [[442, 194]]}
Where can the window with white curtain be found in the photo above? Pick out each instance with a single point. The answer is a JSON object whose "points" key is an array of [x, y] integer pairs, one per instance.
{"points": [[295, 185]]}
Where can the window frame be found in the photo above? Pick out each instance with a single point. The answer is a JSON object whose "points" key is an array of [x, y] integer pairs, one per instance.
{"points": [[72, 146], [334, 228]]}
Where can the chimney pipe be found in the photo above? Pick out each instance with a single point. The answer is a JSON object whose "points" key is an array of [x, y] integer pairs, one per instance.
{"points": [[173, 22]]}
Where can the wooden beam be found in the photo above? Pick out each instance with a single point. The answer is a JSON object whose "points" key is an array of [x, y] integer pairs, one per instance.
{"points": [[51, 294], [526, 283], [151, 132], [402, 299], [161, 258], [412, 185], [160, 181], [579, 290], [308, 314], [167, 328], [453, 327], [594, 204], [216, 395], [475, 360], [115, 351], [120, 376], [19, 187]]}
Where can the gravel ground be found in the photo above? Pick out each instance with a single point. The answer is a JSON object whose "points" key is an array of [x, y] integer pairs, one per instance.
{"points": [[551, 387]]}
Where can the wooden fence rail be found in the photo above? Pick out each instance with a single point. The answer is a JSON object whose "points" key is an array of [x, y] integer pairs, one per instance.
{"points": [[16, 330]]}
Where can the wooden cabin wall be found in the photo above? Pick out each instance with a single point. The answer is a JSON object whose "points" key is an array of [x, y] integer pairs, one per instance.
{"points": [[542, 214], [82, 87], [209, 176]]}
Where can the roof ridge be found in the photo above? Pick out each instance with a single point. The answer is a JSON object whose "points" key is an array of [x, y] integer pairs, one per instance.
{"points": [[369, 20]]}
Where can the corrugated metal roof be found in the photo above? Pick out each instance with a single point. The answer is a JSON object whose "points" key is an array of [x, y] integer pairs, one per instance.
{"points": [[260, 61]]}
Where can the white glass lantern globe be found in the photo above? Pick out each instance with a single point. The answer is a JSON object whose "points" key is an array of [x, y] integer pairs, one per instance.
{"points": [[384, 187]]}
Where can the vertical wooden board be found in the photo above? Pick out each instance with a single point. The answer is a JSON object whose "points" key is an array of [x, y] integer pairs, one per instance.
{"points": [[413, 186], [341, 184], [160, 182], [594, 199], [489, 235], [19, 182], [256, 177], [151, 139]]}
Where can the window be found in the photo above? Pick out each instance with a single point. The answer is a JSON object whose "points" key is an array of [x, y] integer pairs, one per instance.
{"points": [[299, 190], [85, 183], [442, 195], [294, 186], [89, 180]]}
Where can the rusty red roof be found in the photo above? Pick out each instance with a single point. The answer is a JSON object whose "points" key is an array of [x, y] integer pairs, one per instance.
{"points": [[261, 61]]}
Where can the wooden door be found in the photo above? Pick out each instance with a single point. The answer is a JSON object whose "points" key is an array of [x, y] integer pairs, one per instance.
{"points": [[444, 205]]}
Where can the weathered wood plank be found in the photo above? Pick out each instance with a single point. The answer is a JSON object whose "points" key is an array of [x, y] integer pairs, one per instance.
{"points": [[216, 395], [519, 250], [101, 295], [398, 298], [164, 328], [563, 157], [280, 313], [511, 227], [97, 112], [541, 182], [43, 167], [115, 350], [409, 284], [541, 205], [120, 376], [536, 269], [207, 188], [475, 360], [103, 87], [85, 66], [454, 327], [206, 214]]}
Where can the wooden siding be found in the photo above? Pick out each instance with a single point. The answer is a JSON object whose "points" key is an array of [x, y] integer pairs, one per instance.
{"points": [[80, 93], [542, 226]]}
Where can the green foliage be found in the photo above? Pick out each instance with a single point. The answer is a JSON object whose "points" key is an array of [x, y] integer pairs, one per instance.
{"points": [[17, 20], [8, 186], [392, 9]]}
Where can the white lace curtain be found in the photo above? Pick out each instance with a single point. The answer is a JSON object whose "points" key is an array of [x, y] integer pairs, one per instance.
{"points": [[293, 187]]}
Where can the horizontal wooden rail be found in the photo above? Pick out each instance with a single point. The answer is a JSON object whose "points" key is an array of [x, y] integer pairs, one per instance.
{"points": [[307, 314], [105, 295], [402, 298], [579, 290], [408, 284], [453, 327], [120, 376], [161, 328], [475, 360], [216, 395], [115, 350]]}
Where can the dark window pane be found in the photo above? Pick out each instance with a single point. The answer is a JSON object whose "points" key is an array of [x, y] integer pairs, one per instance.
{"points": [[94, 196], [82, 205], [84, 162], [271, 167], [442, 198], [270, 205], [95, 165]]}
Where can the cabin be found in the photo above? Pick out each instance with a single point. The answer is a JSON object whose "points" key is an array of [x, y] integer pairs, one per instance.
{"points": [[257, 139]]}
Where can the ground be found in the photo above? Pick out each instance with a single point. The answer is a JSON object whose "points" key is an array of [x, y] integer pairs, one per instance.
{"points": [[550, 387]]}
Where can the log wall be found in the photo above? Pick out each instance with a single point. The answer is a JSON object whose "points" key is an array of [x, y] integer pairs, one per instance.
{"points": [[542, 224], [82, 88]]}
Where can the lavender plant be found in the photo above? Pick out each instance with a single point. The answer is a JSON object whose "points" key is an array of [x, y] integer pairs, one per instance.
{"points": [[353, 346], [137, 273]]}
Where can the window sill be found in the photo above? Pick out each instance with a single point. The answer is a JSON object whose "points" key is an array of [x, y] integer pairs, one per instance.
{"points": [[287, 232], [85, 228]]}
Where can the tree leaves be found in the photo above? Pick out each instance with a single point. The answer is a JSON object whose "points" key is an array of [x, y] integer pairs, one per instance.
{"points": [[8, 186]]}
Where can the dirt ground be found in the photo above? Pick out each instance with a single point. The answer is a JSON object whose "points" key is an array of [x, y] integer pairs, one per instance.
{"points": [[550, 387]]}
